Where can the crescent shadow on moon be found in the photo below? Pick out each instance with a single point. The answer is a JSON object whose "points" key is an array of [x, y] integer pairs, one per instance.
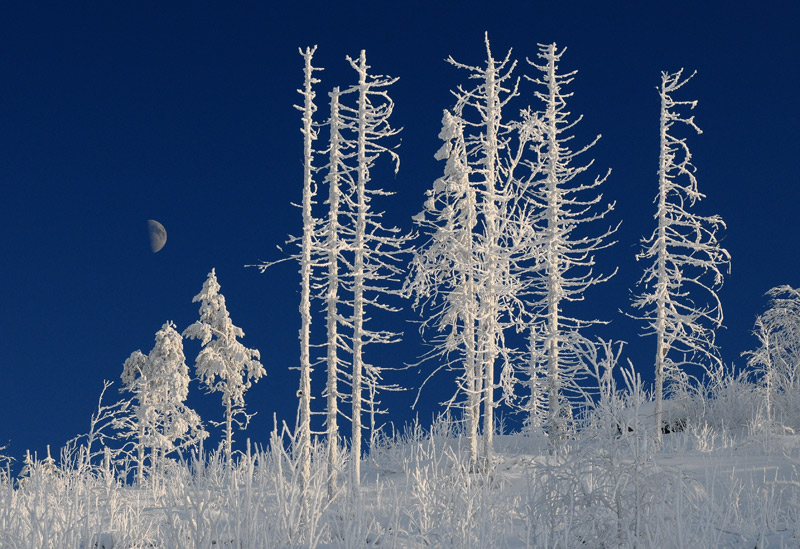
{"points": [[158, 235]]}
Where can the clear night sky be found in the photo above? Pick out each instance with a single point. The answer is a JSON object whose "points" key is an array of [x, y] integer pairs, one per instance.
{"points": [[112, 113]]}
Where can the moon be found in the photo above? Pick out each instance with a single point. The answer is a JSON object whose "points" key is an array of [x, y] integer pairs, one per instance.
{"points": [[158, 235]]}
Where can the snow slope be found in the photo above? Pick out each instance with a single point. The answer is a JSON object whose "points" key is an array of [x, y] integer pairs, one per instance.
{"points": [[705, 487]]}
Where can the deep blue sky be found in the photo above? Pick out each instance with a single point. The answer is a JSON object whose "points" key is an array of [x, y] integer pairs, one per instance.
{"points": [[112, 113]]}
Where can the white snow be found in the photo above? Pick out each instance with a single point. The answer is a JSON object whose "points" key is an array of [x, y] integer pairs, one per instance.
{"points": [[706, 487]]}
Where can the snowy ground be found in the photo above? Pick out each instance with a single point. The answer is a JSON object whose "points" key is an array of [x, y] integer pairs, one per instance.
{"points": [[705, 488]]}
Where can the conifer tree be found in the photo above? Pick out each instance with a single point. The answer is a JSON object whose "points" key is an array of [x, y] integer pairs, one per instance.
{"points": [[159, 383], [684, 260], [335, 242], [566, 204], [466, 272], [223, 365], [443, 274], [374, 250], [778, 333], [306, 260]]}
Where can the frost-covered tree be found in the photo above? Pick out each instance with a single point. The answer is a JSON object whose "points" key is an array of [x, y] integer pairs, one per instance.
{"points": [[348, 258], [308, 259], [103, 428], [334, 241], [306, 264], [684, 260], [159, 383], [466, 273], [567, 208], [444, 271], [374, 250], [487, 105], [510, 242], [223, 365], [778, 354]]}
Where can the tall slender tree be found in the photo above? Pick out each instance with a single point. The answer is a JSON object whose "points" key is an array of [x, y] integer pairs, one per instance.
{"points": [[223, 365], [335, 243], [568, 206], [685, 260], [308, 258], [494, 158], [306, 264], [443, 274], [374, 250], [466, 273]]}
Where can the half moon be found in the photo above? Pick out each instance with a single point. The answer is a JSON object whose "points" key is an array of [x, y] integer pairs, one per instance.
{"points": [[158, 235]]}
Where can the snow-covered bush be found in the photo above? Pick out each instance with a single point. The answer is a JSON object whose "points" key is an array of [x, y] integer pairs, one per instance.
{"points": [[777, 357], [731, 400], [602, 498]]}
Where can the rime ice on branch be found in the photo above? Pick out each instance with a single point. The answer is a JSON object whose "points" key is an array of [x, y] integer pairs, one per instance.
{"points": [[224, 365], [466, 274], [567, 206], [503, 250], [159, 383], [684, 260], [374, 250], [776, 358], [306, 260]]}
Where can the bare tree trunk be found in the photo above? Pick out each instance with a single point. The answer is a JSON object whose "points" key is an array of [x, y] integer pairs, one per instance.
{"points": [[489, 316], [358, 273], [332, 298], [228, 431], [140, 457], [555, 419], [472, 369], [661, 276], [304, 392]]}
